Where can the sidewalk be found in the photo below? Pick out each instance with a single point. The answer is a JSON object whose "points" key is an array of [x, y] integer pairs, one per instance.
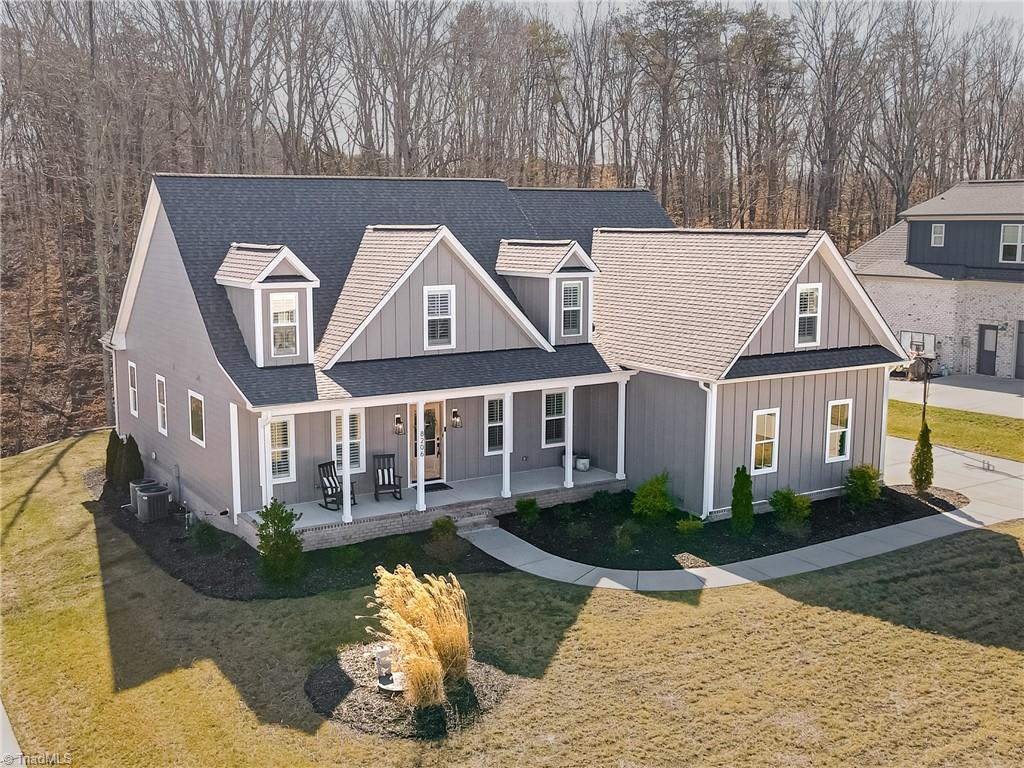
{"points": [[995, 486], [8, 742], [981, 394]]}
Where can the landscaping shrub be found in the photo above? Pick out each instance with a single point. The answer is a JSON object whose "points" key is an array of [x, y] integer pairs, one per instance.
{"points": [[922, 470], [689, 525], [401, 548], [652, 499], [603, 503], [742, 519], [130, 467], [204, 536], [862, 486], [114, 450], [564, 511], [625, 534], [444, 544], [577, 530], [528, 511], [444, 526], [791, 510], [280, 545], [347, 556]]}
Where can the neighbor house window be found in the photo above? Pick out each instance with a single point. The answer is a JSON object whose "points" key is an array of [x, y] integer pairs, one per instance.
{"points": [[554, 418], [808, 315], [196, 418], [133, 389], [282, 450], [1011, 242], [938, 235], [439, 312], [494, 425], [284, 324], [837, 439], [918, 342], [161, 404], [356, 440], [764, 441], [572, 308]]}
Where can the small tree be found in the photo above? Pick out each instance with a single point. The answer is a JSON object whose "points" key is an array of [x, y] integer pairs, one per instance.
{"points": [[862, 486], [922, 468], [114, 449], [130, 467], [791, 510], [742, 502], [528, 511], [280, 545], [652, 499]]}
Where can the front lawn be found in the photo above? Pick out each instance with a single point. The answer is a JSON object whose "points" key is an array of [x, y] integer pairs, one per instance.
{"points": [[604, 531], [977, 432], [911, 658]]}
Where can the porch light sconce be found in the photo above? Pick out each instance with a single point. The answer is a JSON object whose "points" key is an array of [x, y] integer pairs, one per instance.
{"points": [[399, 424], [456, 419]]}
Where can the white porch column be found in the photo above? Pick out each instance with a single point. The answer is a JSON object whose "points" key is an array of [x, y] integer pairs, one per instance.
{"points": [[346, 467], [620, 445], [263, 441], [421, 464], [506, 447], [568, 437]]}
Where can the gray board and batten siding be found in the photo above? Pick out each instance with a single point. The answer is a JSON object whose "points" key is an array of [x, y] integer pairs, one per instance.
{"points": [[972, 246]]}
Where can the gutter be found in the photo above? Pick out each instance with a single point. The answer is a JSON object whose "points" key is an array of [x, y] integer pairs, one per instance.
{"points": [[710, 428]]}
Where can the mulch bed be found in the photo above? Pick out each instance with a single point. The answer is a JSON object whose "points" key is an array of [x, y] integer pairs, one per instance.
{"points": [[345, 690], [222, 565], [587, 532]]}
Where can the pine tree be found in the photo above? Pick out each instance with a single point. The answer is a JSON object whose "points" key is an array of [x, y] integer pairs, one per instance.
{"points": [[130, 466], [922, 469], [742, 502], [114, 450]]}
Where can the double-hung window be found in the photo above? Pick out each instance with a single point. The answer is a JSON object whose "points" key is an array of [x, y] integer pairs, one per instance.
{"points": [[494, 425], [282, 450], [439, 317], [572, 308], [764, 441], [1011, 243], [133, 389], [356, 440], [938, 235], [284, 324], [196, 418], [161, 404], [808, 315], [837, 436], [554, 419]]}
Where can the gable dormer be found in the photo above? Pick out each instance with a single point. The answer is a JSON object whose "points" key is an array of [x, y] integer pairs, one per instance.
{"points": [[271, 295], [553, 281]]}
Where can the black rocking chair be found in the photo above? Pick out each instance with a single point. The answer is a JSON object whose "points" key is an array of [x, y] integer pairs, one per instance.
{"points": [[385, 478], [330, 484]]}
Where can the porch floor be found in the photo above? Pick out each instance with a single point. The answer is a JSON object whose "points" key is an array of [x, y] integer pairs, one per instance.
{"points": [[475, 489]]}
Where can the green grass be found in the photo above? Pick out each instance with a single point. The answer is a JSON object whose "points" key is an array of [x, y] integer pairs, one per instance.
{"points": [[910, 658], [977, 432]]}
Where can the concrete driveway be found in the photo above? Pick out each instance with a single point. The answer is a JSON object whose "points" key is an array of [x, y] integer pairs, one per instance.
{"points": [[981, 394]]}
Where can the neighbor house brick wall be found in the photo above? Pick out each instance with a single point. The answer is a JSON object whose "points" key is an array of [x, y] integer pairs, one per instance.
{"points": [[952, 310]]}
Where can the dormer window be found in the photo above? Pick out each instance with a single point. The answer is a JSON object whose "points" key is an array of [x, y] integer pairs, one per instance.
{"points": [[808, 315], [284, 324], [1011, 243], [938, 235], [572, 308], [438, 317]]}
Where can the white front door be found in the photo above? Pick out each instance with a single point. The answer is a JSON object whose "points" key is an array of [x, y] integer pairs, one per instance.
{"points": [[433, 437]]}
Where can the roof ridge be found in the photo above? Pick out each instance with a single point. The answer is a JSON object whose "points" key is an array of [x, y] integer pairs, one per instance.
{"points": [[404, 227], [176, 174], [527, 241], [710, 231], [580, 189], [992, 181]]}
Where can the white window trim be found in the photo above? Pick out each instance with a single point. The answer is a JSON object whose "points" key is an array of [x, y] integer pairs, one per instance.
{"points": [[195, 395], [488, 424], [567, 284], [290, 477], [337, 439], [938, 235], [544, 418], [848, 402], [161, 380], [1019, 244], [800, 288], [775, 440], [294, 296], [133, 389], [427, 290]]}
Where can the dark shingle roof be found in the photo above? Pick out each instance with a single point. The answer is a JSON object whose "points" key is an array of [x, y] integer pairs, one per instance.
{"points": [[322, 220], [468, 369], [981, 197], [810, 360]]}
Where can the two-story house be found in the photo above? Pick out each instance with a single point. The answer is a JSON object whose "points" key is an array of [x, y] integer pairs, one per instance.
{"points": [[467, 341], [949, 277]]}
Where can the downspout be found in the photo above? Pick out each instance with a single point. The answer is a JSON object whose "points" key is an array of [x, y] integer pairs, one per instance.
{"points": [[710, 427]]}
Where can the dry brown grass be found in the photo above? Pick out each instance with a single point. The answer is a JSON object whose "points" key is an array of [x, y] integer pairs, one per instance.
{"points": [[910, 659]]}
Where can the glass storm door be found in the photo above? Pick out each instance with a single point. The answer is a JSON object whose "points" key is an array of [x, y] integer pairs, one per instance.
{"points": [[433, 433]]}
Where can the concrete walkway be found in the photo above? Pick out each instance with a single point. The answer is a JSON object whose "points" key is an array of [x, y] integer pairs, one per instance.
{"points": [[995, 486], [10, 752], [981, 394]]}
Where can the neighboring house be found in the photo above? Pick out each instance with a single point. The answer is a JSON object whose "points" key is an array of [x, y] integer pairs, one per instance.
{"points": [[479, 334], [949, 277]]}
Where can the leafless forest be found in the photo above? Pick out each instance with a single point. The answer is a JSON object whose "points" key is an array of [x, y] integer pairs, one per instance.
{"points": [[836, 116]]}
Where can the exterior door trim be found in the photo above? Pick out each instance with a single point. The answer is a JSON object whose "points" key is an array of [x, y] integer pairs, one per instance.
{"points": [[442, 428], [982, 328]]}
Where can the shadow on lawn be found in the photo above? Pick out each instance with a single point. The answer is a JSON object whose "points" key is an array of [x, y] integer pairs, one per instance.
{"points": [[266, 648]]}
